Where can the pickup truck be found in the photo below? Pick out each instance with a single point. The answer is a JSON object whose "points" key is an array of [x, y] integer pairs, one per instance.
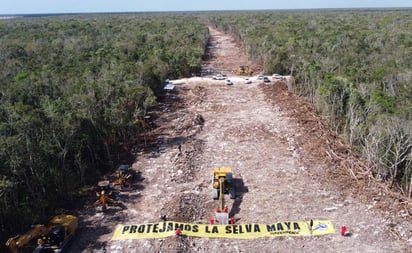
{"points": [[219, 77], [278, 77]]}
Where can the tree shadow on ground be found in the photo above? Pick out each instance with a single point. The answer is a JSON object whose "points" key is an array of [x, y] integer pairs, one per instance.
{"points": [[87, 236], [156, 140], [102, 221], [92, 229]]}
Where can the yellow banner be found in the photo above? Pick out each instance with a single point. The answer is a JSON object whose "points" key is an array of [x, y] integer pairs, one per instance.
{"points": [[235, 231]]}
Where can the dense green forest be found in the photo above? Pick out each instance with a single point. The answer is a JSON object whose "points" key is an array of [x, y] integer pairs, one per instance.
{"points": [[354, 65], [73, 88]]}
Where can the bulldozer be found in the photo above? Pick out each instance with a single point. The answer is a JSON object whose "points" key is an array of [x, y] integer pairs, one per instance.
{"points": [[222, 183], [243, 70], [53, 237]]}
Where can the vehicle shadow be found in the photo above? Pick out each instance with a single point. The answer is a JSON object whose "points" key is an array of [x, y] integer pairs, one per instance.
{"points": [[240, 190]]}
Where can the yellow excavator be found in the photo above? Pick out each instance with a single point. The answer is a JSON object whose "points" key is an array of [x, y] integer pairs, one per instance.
{"points": [[53, 237], [243, 70], [28, 241], [222, 183]]}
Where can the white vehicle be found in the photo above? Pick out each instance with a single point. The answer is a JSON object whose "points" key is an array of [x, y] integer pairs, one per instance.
{"points": [[228, 82], [248, 80], [277, 76], [219, 77], [168, 85]]}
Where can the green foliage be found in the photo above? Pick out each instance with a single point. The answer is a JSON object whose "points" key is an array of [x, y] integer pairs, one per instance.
{"points": [[71, 89], [387, 104], [21, 76], [334, 94], [355, 65]]}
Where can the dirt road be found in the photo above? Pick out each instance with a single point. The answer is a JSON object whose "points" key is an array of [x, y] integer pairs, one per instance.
{"points": [[207, 124]]}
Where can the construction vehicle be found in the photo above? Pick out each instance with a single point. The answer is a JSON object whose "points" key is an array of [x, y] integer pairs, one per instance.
{"points": [[53, 237], [28, 241], [243, 70], [222, 183], [61, 230]]}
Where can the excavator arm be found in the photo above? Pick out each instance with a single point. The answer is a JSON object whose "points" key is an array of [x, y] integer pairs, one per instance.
{"points": [[221, 193], [28, 239], [57, 233], [222, 183]]}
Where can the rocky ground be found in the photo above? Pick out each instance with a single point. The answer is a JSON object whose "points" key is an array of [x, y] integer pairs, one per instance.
{"points": [[289, 165]]}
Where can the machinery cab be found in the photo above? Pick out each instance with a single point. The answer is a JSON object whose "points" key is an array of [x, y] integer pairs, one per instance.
{"points": [[62, 229], [56, 235], [124, 168], [222, 183]]}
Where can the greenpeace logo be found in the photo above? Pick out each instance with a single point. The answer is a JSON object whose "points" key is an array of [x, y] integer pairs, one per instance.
{"points": [[321, 227]]}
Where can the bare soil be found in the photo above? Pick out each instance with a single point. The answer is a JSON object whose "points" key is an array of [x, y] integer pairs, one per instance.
{"points": [[289, 166]]}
